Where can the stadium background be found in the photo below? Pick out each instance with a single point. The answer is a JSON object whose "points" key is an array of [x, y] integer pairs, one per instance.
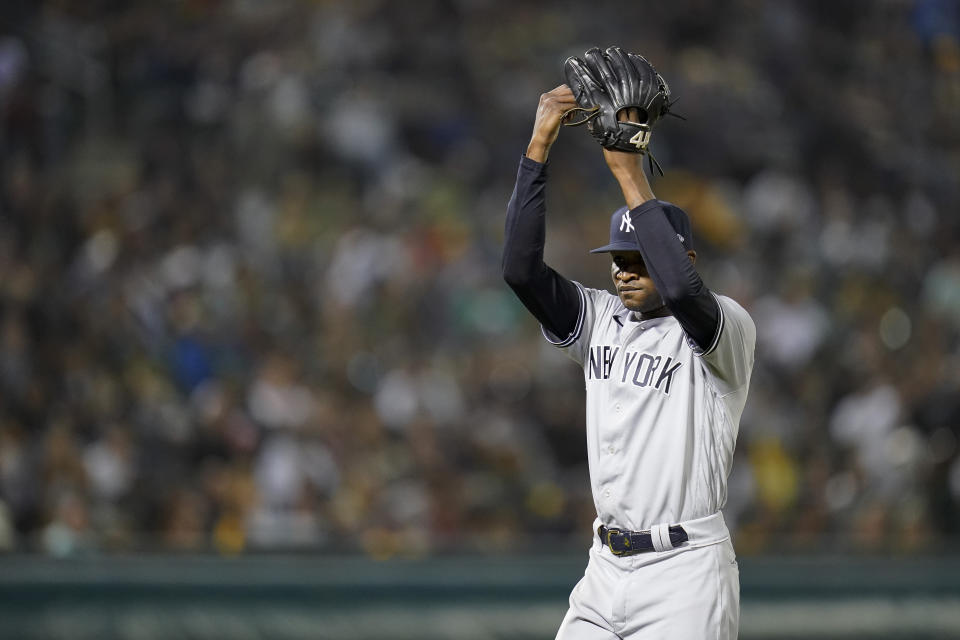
{"points": [[254, 343]]}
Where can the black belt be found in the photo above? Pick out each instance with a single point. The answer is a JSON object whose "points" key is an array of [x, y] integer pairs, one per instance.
{"points": [[628, 543]]}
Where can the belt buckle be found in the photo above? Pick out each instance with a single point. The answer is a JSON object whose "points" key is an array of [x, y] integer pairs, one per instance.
{"points": [[626, 543]]}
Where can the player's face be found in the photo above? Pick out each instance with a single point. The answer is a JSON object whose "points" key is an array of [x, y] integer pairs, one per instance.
{"points": [[634, 285]]}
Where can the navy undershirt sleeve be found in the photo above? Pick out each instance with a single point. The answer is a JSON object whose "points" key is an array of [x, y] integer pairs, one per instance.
{"points": [[551, 298], [677, 280]]}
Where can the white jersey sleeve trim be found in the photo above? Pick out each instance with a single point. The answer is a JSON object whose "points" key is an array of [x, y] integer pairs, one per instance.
{"points": [[575, 334], [716, 337]]}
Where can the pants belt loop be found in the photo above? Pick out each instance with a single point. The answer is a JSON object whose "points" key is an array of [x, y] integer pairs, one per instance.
{"points": [[660, 537]]}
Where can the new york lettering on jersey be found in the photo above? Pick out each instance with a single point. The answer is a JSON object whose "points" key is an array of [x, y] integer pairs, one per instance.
{"points": [[640, 369]]}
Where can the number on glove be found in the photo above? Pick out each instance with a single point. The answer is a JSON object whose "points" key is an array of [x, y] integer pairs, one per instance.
{"points": [[641, 139]]}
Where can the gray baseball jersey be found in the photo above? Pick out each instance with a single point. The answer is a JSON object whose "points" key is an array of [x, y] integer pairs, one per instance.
{"points": [[662, 416]]}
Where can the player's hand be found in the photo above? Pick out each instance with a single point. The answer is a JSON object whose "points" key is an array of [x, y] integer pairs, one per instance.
{"points": [[627, 168], [554, 106]]}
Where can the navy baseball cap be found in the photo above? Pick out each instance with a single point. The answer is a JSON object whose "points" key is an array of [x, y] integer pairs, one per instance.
{"points": [[623, 238]]}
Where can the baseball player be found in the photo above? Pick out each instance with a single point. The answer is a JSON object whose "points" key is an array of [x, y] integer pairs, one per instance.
{"points": [[667, 366]]}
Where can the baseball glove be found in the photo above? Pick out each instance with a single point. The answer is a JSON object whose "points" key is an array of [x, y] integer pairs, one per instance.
{"points": [[605, 83]]}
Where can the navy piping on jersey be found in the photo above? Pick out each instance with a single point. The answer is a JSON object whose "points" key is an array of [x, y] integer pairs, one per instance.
{"points": [[720, 323], [575, 334], [716, 338]]}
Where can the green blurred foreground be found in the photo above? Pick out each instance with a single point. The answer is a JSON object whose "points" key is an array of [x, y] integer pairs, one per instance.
{"points": [[475, 598]]}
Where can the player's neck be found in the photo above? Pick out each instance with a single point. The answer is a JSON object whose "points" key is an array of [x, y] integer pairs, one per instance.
{"points": [[659, 312]]}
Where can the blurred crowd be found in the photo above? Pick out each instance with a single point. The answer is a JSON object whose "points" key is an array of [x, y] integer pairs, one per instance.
{"points": [[250, 295]]}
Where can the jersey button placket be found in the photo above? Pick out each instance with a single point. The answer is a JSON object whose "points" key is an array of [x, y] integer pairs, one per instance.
{"points": [[617, 408]]}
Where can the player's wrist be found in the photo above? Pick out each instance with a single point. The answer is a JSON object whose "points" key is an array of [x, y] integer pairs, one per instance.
{"points": [[636, 190], [630, 174], [538, 150]]}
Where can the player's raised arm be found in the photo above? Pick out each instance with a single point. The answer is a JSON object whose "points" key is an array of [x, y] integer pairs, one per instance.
{"points": [[554, 105], [669, 263], [551, 298]]}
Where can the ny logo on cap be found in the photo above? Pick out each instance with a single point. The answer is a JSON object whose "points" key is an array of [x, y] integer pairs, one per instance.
{"points": [[626, 224]]}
